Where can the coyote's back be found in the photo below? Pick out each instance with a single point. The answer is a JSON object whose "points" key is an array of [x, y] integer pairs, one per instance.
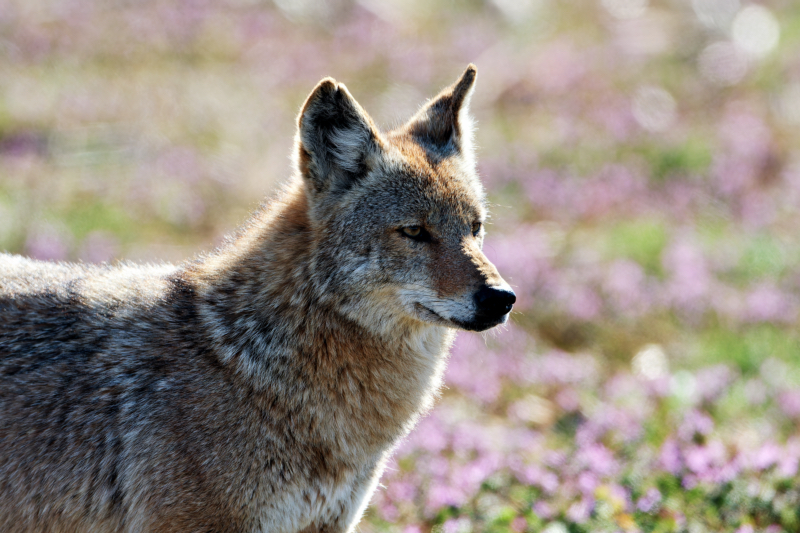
{"points": [[260, 387]]}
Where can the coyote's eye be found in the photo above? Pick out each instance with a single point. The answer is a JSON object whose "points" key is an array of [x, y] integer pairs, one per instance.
{"points": [[418, 233], [476, 228]]}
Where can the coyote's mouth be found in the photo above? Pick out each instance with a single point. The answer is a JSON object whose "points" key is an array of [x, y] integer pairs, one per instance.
{"points": [[430, 315], [480, 324]]}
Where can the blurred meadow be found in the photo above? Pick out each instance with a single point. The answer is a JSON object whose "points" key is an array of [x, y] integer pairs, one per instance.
{"points": [[643, 164]]}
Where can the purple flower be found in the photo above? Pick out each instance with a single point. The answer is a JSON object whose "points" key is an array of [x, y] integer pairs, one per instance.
{"points": [[401, 491], [614, 186], [47, 243], [180, 163], [695, 423], [621, 496], [568, 399], [538, 476], [705, 460], [442, 495], [587, 483], [430, 435], [670, 457], [519, 524], [766, 456], [388, 512], [470, 476], [583, 303], [456, 525], [597, 459], [711, 383], [556, 367], [543, 509], [99, 247], [689, 481], [690, 279], [790, 458], [768, 303], [614, 114], [625, 285], [648, 503], [744, 133], [558, 66], [555, 458], [580, 511]]}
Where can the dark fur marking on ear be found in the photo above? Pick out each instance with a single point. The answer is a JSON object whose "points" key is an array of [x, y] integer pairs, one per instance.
{"points": [[336, 138], [437, 126]]}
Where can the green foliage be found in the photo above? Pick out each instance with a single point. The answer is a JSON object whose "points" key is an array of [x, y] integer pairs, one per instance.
{"points": [[642, 241], [764, 257], [691, 158], [749, 347], [82, 218]]}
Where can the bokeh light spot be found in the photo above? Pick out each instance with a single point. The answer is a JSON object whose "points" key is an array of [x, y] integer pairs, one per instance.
{"points": [[303, 10], [517, 10], [653, 108], [534, 409], [755, 30], [626, 9], [683, 386], [650, 362], [715, 13], [723, 63], [555, 527], [788, 104]]}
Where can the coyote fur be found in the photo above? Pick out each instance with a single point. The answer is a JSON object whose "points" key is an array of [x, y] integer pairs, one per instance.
{"points": [[260, 387]]}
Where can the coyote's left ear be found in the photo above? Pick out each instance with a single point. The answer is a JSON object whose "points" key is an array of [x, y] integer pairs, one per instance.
{"points": [[336, 138], [444, 125]]}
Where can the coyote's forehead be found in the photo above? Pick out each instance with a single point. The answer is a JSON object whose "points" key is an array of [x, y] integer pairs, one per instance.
{"points": [[436, 189]]}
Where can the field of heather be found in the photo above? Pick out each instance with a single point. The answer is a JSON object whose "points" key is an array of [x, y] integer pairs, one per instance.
{"points": [[643, 164]]}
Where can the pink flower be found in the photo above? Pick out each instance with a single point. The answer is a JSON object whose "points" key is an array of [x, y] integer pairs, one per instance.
{"points": [[690, 279], [543, 509], [597, 459], [649, 501], [670, 457], [768, 303], [695, 423], [440, 496], [587, 483], [580, 511], [519, 524], [48, 243], [766, 456]]}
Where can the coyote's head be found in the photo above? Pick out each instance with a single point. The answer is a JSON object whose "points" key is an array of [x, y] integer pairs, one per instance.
{"points": [[399, 217]]}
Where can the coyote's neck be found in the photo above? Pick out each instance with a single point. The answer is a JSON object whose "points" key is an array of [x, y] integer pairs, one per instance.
{"points": [[266, 322]]}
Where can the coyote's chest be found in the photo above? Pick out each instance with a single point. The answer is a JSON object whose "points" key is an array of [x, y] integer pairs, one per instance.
{"points": [[339, 499]]}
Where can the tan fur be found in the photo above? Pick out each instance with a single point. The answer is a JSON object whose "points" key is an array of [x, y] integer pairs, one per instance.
{"points": [[261, 387]]}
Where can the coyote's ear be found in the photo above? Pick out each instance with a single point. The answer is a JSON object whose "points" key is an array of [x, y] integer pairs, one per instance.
{"points": [[336, 138], [443, 125]]}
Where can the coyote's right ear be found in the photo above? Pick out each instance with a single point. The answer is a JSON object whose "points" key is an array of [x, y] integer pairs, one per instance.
{"points": [[444, 125], [336, 138]]}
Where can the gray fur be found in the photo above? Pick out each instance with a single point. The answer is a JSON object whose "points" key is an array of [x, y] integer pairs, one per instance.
{"points": [[261, 387]]}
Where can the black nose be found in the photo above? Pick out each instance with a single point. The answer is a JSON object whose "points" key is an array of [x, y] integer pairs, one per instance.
{"points": [[494, 301]]}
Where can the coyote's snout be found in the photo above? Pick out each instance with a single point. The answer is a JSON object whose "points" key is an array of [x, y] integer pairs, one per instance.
{"points": [[260, 387]]}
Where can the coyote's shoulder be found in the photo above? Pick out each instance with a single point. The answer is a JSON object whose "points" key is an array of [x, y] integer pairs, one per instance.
{"points": [[262, 386]]}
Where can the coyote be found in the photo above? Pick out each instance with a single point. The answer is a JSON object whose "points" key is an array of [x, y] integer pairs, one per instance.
{"points": [[260, 387]]}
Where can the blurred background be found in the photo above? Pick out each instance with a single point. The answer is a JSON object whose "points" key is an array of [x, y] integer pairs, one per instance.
{"points": [[643, 164]]}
